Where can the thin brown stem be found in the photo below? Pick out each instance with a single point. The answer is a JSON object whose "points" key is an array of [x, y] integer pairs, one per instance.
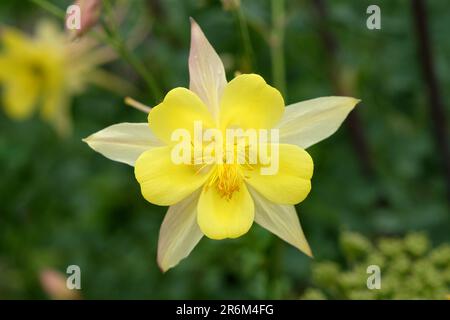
{"points": [[437, 109], [353, 122]]}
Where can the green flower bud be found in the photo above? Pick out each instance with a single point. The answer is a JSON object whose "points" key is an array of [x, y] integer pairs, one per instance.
{"points": [[313, 294], [390, 247], [354, 246], [417, 244], [326, 273], [441, 256]]}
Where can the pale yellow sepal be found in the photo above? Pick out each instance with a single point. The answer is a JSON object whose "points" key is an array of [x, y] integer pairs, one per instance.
{"points": [[308, 122], [206, 71], [123, 142], [281, 220], [179, 232]]}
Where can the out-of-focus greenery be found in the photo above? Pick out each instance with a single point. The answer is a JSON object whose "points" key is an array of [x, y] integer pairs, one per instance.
{"points": [[410, 269], [62, 204]]}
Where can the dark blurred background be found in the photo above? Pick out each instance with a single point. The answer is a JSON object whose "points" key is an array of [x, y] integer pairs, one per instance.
{"points": [[382, 174]]}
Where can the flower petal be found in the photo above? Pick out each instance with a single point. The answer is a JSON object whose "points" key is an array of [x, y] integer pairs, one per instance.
{"points": [[291, 183], [221, 218], [21, 93], [308, 122], [179, 232], [16, 42], [56, 110], [206, 71], [281, 220], [162, 181], [248, 102], [123, 142], [179, 110]]}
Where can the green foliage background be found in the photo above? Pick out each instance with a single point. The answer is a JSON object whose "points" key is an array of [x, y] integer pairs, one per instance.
{"points": [[62, 204]]}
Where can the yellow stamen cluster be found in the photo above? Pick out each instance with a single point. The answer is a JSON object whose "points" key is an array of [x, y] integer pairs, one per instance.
{"points": [[227, 179]]}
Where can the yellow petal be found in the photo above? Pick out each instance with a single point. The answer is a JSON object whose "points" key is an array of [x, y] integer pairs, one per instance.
{"points": [[56, 110], [163, 182], [17, 42], [55, 92], [8, 65], [308, 122], [179, 232], [20, 95], [248, 102], [123, 142], [49, 32], [220, 218], [179, 110], [291, 183], [281, 220], [206, 71]]}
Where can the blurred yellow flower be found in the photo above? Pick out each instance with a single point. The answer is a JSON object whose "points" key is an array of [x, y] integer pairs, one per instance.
{"points": [[216, 197], [44, 71]]}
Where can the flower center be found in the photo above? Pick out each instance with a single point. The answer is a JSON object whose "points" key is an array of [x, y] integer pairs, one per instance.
{"points": [[227, 179]]}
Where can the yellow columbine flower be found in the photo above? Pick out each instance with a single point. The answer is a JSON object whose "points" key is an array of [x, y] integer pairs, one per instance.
{"points": [[221, 200], [46, 70]]}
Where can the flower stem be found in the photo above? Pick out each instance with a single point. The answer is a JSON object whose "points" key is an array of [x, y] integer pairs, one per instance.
{"points": [[137, 65], [275, 256], [51, 8], [119, 45], [277, 45], [334, 69], [245, 35]]}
